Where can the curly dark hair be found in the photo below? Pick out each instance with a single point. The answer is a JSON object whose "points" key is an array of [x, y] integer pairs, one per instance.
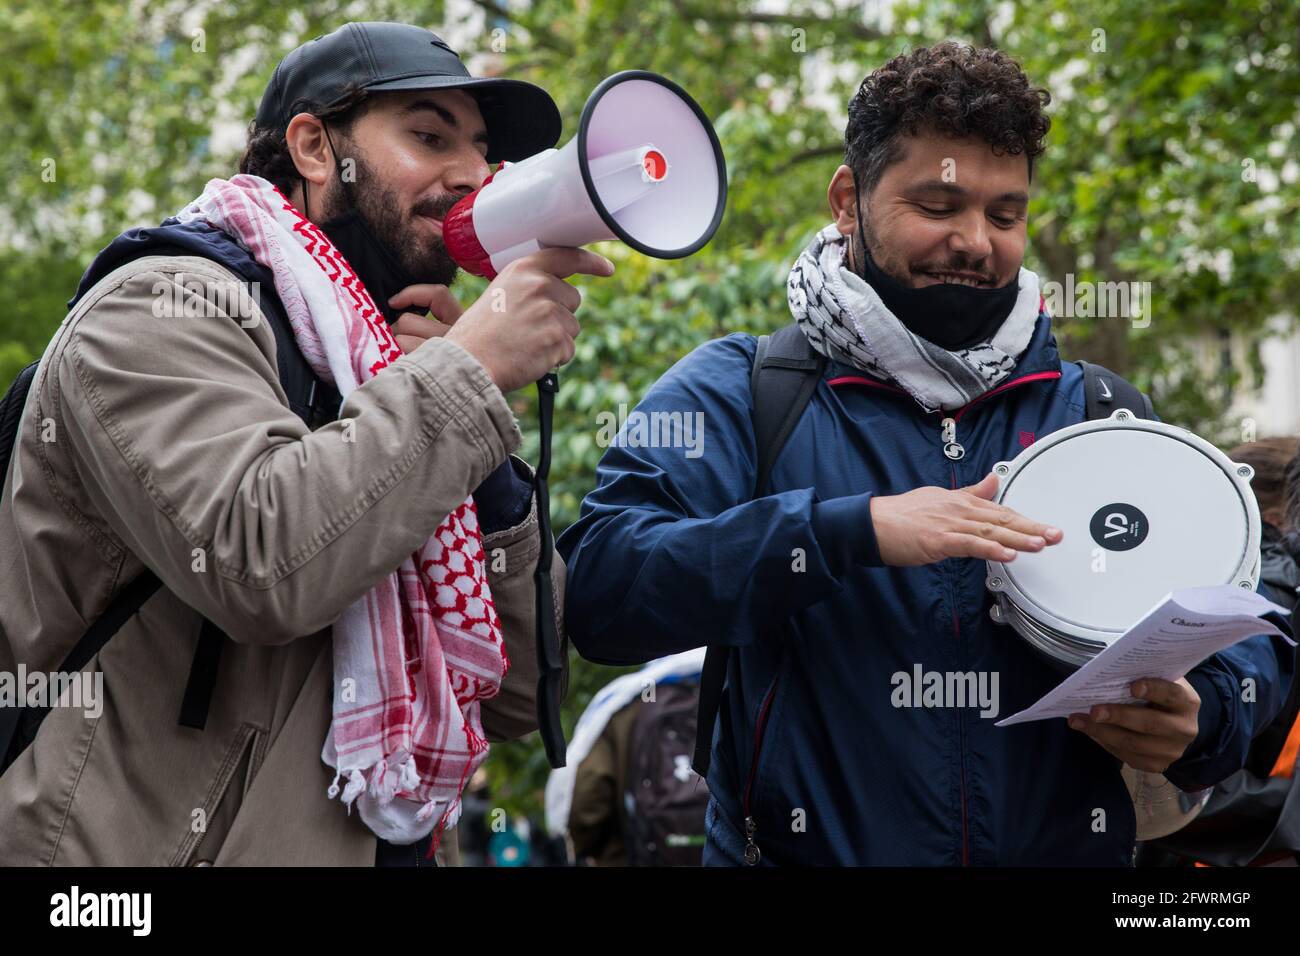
{"points": [[952, 89], [267, 153]]}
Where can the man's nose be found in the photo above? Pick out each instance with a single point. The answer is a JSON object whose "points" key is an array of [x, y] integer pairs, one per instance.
{"points": [[465, 172], [970, 236]]}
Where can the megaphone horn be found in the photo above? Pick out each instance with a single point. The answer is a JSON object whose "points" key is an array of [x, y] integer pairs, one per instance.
{"points": [[646, 168]]}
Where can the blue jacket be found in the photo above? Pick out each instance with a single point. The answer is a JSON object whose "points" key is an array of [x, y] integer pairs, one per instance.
{"points": [[671, 553]]}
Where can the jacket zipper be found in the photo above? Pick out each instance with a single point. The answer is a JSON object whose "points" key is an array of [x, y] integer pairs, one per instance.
{"points": [[954, 451], [961, 726], [752, 853]]}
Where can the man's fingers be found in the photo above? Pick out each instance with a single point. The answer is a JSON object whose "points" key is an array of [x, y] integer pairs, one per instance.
{"points": [[1164, 694], [1013, 521], [409, 343], [1003, 536], [1124, 743], [1146, 736], [957, 544], [414, 325], [1135, 717], [985, 488], [562, 262], [431, 298], [572, 328], [565, 294], [1173, 710], [985, 510]]}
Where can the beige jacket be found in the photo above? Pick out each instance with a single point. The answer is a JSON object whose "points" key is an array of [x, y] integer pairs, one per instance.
{"points": [[168, 442]]}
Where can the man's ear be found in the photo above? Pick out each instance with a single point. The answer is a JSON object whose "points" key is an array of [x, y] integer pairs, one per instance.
{"points": [[843, 202], [309, 148]]}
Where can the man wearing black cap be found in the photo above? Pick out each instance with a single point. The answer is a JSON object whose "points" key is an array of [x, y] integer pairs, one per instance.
{"points": [[414, 131], [306, 607]]}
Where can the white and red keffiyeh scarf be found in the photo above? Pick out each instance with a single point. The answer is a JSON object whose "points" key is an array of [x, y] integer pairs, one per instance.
{"points": [[415, 657]]}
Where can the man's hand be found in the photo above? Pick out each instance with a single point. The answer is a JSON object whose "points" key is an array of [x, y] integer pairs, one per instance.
{"points": [[1146, 737], [522, 326], [411, 328], [930, 524]]}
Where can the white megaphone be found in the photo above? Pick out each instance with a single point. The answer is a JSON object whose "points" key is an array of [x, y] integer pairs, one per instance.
{"points": [[645, 167]]}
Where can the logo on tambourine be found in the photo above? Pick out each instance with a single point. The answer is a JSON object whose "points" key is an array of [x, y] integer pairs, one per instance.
{"points": [[1119, 527]]}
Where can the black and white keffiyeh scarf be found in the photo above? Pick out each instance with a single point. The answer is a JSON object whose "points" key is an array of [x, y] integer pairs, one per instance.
{"points": [[844, 319]]}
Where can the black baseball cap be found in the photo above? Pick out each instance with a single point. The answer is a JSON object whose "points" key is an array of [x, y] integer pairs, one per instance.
{"points": [[521, 118]]}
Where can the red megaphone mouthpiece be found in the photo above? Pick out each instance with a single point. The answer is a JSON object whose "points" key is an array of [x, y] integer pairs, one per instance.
{"points": [[461, 240]]}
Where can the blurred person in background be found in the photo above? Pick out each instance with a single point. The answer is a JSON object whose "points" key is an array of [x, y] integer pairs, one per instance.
{"points": [[628, 796]]}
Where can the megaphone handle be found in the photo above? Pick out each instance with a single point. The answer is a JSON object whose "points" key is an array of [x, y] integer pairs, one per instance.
{"points": [[550, 666]]}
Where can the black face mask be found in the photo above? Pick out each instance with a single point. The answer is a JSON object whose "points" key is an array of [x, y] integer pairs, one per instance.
{"points": [[949, 315], [371, 259]]}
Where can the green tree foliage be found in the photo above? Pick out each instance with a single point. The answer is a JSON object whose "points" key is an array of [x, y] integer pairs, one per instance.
{"points": [[1171, 161]]}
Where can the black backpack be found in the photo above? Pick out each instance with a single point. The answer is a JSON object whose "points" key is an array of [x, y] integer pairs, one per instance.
{"points": [[665, 800], [314, 401], [785, 374]]}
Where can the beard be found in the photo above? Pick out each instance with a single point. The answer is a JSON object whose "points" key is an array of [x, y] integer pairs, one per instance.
{"points": [[423, 256]]}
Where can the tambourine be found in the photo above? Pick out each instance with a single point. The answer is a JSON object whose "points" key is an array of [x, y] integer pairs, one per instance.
{"points": [[1146, 508]]}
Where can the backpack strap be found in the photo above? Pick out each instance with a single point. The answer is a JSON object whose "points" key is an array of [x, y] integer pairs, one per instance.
{"points": [[1104, 392], [203, 677], [11, 413], [784, 377], [314, 401], [713, 678], [18, 725]]}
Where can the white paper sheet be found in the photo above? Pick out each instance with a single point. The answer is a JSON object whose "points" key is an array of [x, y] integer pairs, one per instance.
{"points": [[1184, 629]]}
